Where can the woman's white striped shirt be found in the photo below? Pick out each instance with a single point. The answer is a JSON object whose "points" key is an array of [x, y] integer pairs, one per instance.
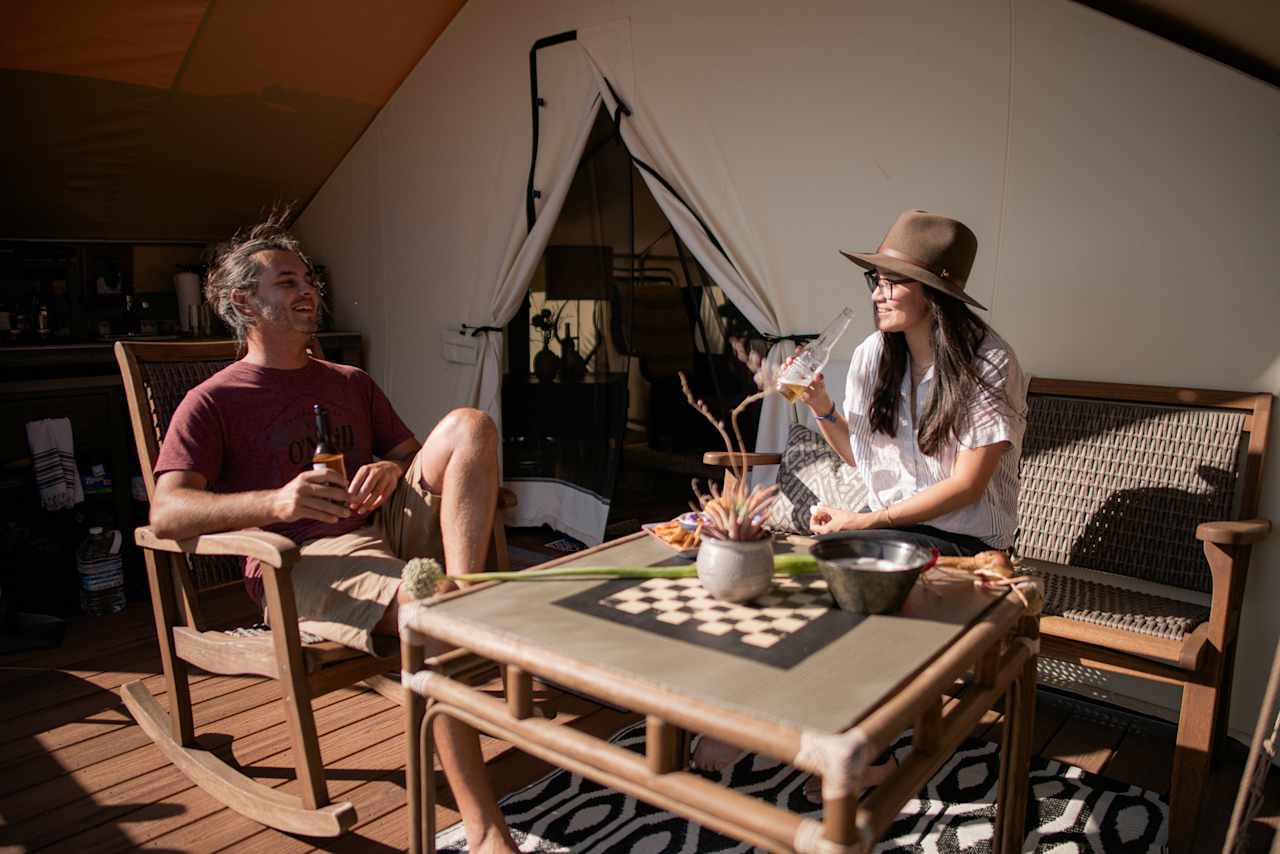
{"points": [[894, 468]]}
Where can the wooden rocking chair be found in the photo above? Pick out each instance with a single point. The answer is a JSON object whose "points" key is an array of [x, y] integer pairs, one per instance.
{"points": [[156, 377]]}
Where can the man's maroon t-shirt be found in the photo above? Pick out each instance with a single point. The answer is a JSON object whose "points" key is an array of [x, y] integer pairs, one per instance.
{"points": [[248, 427]]}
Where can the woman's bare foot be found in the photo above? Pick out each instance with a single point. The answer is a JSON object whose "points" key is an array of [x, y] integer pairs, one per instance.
{"points": [[874, 776], [713, 755]]}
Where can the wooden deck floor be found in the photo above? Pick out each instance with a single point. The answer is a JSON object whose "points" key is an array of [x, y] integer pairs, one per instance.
{"points": [[77, 775]]}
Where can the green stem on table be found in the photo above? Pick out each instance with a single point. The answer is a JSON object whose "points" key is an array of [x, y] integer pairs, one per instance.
{"points": [[421, 574]]}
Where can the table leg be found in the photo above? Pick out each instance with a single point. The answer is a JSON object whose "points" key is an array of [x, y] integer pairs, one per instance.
{"points": [[838, 814], [427, 794], [415, 706], [1015, 761], [662, 746]]}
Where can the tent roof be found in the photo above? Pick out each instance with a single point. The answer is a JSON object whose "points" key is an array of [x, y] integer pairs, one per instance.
{"points": [[182, 119]]}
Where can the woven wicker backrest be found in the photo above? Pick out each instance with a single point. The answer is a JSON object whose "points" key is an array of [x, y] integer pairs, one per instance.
{"points": [[167, 383], [1121, 487]]}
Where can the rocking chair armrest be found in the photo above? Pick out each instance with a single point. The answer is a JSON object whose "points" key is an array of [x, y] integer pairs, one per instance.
{"points": [[1243, 532], [272, 549], [726, 459]]}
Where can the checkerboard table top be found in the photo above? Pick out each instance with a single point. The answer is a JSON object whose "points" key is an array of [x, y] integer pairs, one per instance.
{"points": [[794, 620], [790, 606], [764, 659]]}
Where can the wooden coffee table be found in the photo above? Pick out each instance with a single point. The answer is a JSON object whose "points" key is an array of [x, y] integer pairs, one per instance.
{"points": [[797, 680]]}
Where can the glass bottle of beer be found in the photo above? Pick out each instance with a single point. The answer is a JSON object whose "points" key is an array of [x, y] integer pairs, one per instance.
{"points": [[325, 457], [809, 361]]}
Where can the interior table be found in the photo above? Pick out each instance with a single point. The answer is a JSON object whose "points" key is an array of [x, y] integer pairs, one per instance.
{"points": [[789, 676]]}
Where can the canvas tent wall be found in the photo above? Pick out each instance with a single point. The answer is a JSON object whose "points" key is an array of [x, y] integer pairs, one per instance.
{"points": [[1124, 190]]}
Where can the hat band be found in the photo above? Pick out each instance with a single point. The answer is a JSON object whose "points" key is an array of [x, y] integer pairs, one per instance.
{"points": [[944, 273]]}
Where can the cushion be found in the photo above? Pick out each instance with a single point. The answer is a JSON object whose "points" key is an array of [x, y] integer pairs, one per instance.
{"points": [[812, 473], [1116, 601]]}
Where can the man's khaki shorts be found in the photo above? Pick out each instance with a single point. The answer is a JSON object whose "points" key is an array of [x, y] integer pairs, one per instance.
{"points": [[344, 584]]}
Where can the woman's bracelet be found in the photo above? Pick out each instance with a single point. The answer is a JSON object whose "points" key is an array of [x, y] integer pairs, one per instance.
{"points": [[830, 416]]}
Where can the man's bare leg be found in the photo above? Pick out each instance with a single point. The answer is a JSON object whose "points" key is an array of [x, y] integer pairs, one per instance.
{"points": [[460, 463], [458, 746]]}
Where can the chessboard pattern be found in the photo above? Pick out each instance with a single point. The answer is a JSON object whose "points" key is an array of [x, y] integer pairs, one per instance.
{"points": [[795, 619]]}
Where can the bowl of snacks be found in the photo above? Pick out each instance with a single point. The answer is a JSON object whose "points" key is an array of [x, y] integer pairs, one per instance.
{"points": [[870, 576], [690, 521], [676, 535]]}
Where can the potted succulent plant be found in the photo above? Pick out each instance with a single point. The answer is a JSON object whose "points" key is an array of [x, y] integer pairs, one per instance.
{"points": [[735, 558]]}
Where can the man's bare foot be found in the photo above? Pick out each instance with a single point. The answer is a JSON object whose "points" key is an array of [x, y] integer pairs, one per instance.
{"points": [[713, 755], [494, 842], [874, 776]]}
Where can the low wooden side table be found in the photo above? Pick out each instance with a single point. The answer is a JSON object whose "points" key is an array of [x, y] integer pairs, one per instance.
{"points": [[828, 697]]}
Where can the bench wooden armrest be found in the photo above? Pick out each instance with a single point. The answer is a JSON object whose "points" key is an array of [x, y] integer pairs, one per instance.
{"points": [[1240, 533], [724, 458], [272, 549], [1194, 646]]}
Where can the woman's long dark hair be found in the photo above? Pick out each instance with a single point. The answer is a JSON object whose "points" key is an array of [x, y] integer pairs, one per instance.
{"points": [[956, 333]]}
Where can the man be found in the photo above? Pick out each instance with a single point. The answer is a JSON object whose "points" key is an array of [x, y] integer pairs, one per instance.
{"points": [[238, 455]]}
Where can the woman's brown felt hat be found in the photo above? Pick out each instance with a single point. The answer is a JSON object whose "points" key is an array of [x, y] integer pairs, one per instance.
{"points": [[929, 248]]}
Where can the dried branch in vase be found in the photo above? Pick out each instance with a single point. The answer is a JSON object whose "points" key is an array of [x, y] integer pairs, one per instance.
{"points": [[736, 513]]}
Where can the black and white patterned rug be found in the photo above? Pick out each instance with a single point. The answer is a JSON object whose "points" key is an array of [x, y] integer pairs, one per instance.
{"points": [[1071, 811]]}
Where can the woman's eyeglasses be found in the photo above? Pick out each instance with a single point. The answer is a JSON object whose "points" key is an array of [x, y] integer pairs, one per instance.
{"points": [[876, 280]]}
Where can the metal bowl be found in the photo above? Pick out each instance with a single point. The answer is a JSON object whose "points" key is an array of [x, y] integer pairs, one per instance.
{"points": [[864, 588]]}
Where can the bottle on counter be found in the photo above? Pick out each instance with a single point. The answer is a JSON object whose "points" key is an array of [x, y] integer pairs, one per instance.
{"points": [[101, 572]]}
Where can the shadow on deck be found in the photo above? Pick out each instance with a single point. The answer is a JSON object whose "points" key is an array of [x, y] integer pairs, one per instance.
{"points": [[77, 775]]}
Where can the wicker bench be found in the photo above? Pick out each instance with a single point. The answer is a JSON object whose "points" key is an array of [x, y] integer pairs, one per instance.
{"points": [[1138, 509]]}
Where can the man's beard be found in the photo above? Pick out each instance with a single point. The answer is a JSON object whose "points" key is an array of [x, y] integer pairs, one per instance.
{"points": [[279, 316]]}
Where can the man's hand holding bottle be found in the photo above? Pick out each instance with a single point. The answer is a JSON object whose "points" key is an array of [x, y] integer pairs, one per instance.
{"points": [[319, 494], [325, 495]]}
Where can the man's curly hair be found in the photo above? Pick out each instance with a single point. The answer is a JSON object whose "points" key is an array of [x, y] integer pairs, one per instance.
{"points": [[235, 268]]}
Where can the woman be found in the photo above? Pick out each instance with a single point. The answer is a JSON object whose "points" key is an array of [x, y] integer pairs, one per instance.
{"points": [[935, 409], [935, 401]]}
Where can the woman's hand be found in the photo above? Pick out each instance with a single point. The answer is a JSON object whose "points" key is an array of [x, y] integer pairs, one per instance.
{"points": [[815, 395], [372, 485], [828, 520]]}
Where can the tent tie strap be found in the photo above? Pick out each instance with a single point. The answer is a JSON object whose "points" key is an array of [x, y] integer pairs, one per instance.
{"points": [[796, 338], [622, 108]]}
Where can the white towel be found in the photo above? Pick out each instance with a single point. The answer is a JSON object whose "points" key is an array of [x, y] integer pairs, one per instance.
{"points": [[54, 453]]}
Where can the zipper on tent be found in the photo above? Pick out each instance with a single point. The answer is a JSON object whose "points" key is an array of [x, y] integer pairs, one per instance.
{"points": [[622, 110], [538, 103]]}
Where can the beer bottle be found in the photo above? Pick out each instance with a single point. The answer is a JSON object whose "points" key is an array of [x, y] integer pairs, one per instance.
{"points": [[809, 361], [325, 457]]}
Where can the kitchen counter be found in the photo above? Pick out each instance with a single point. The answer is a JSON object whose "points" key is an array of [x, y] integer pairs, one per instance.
{"points": [[59, 362]]}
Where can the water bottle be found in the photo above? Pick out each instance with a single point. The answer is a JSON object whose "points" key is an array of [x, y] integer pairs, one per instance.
{"points": [[101, 573], [809, 361]]}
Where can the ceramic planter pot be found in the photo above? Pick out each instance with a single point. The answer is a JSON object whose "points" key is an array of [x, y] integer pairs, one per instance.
{"points": [[735, 571]]}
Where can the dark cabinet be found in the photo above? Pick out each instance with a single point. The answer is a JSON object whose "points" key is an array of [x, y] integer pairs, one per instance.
{"points": [[82, 384]]}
